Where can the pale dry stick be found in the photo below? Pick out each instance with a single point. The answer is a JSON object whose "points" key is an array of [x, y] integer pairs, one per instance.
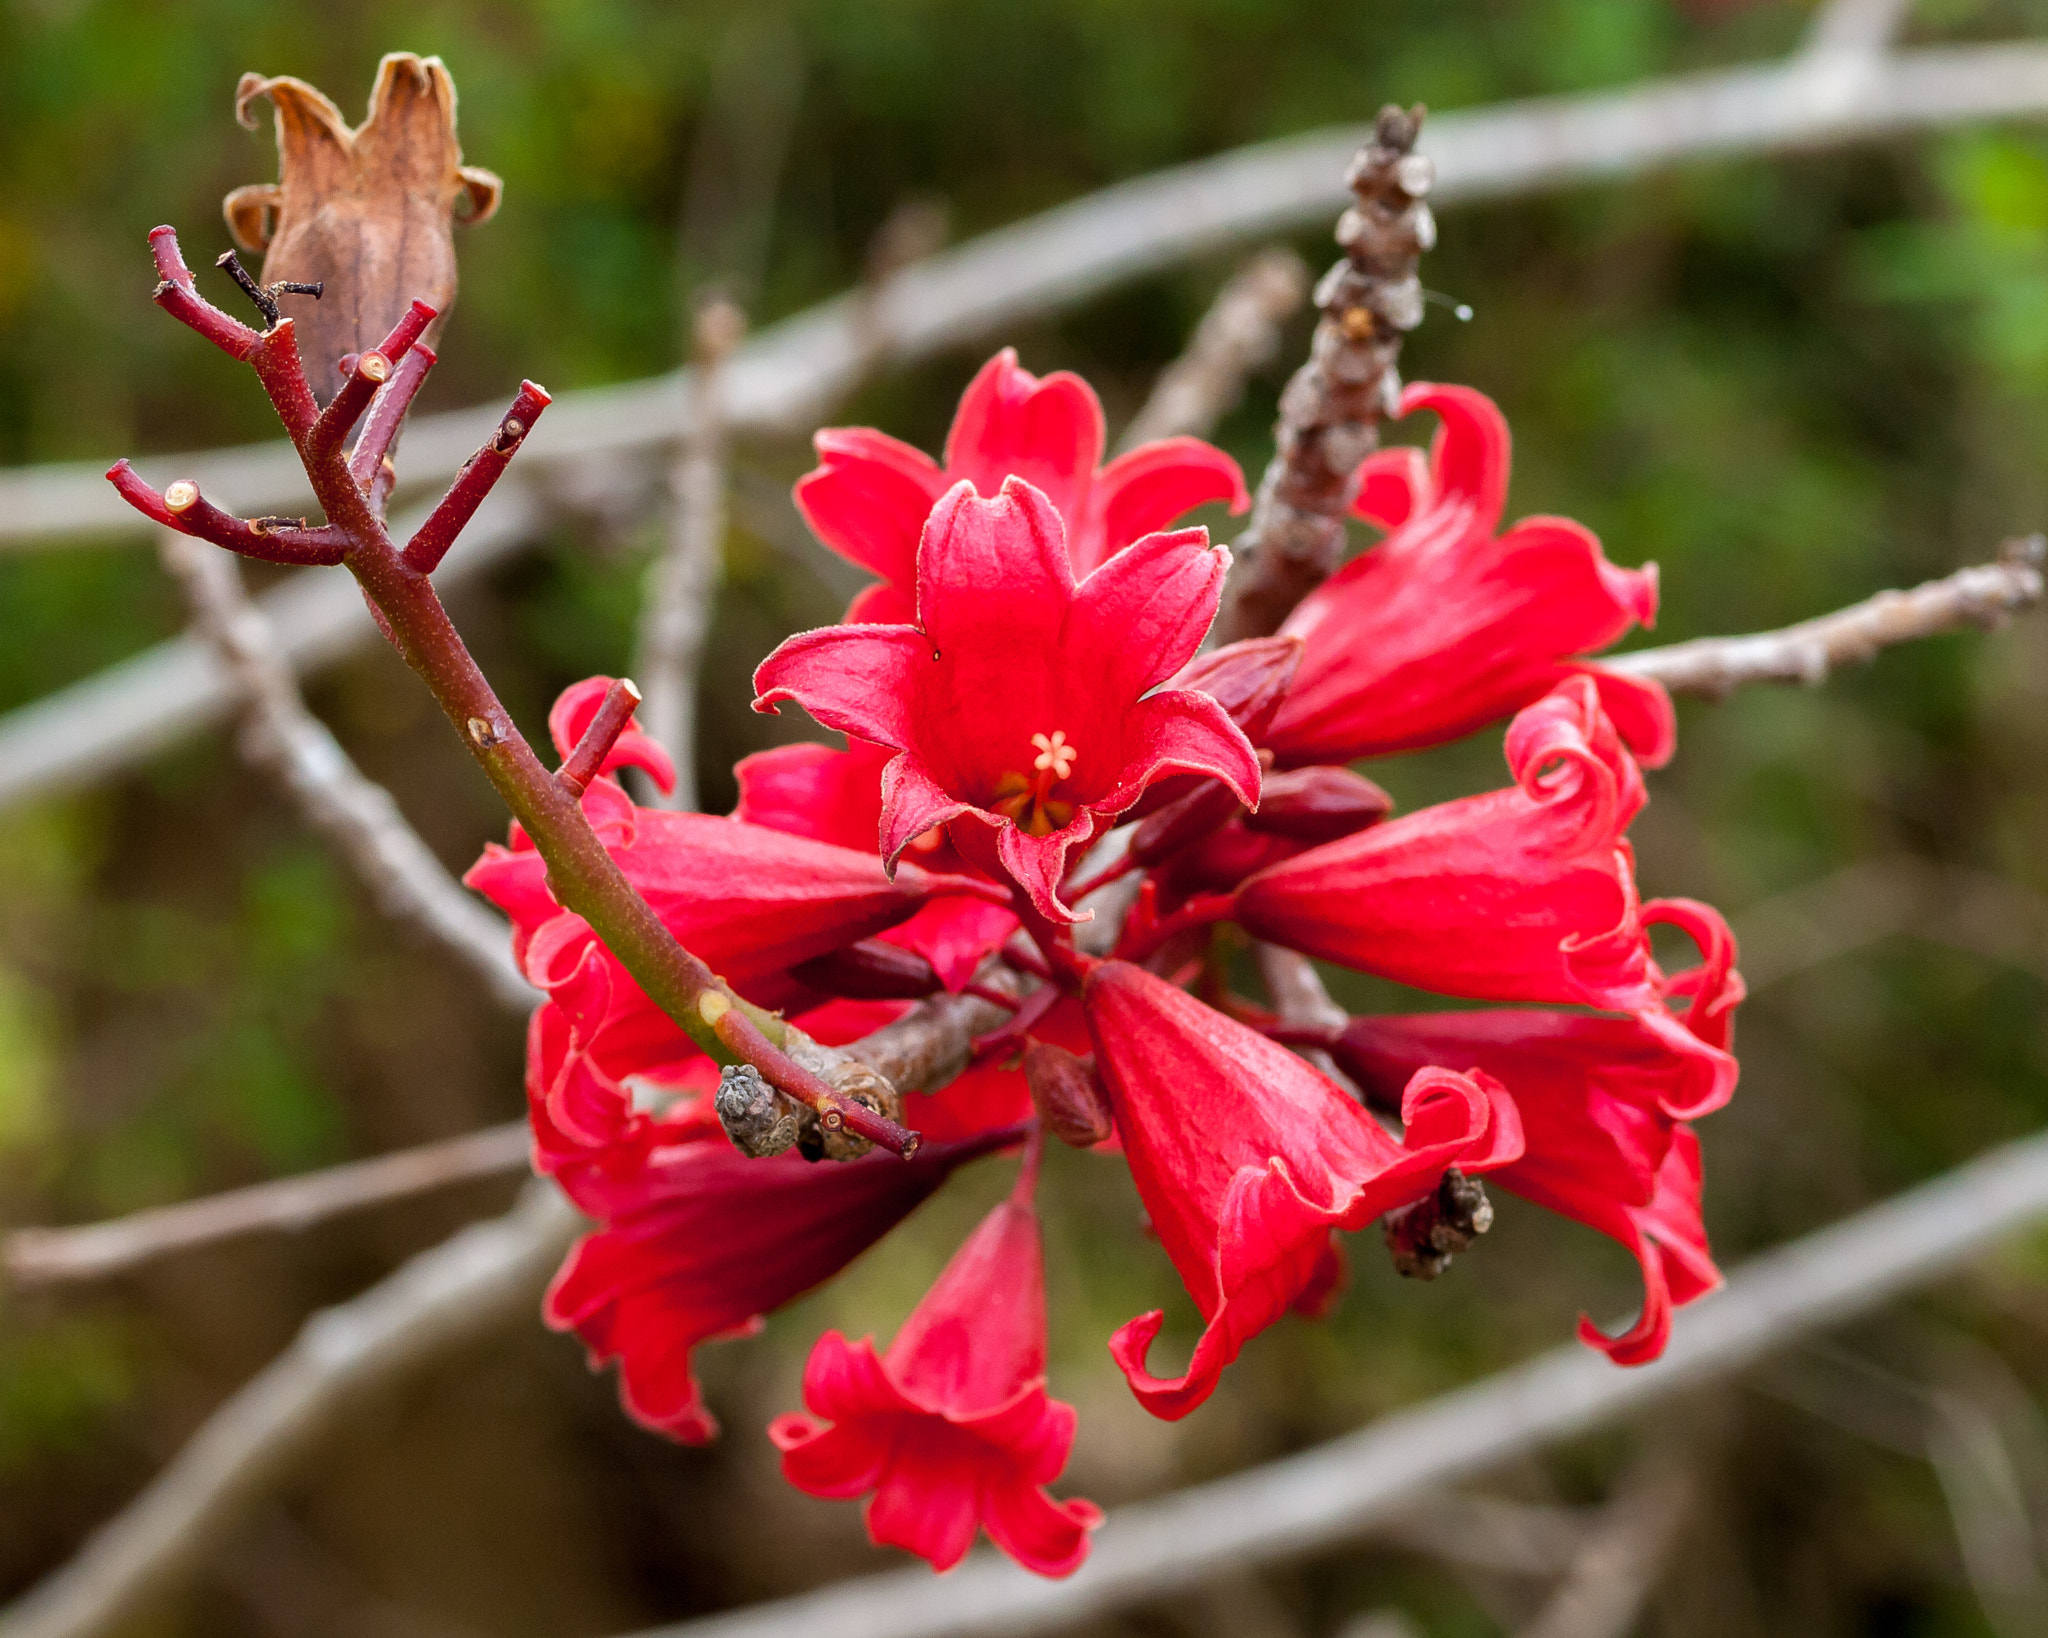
{"points": [[1066, 255], [683, 580], [1984, 596], [1985, 914], [355, 815], [1602, 1593], [930, 1044], [146, 704], [482, 1277], [39, 1257], [444, 1298], [1338, 1491], [1050, 261], [1855, 27], [1237, 335]]}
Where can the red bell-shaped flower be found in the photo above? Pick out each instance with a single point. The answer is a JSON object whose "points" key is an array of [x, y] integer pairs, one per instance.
{"points": [[836, 796], [1602, 1146], [952, 1428], [699, 1242], [870, 494], [1523, 894], [1247, 1158], [1445, 626], [750, 901], [1027, 709]]}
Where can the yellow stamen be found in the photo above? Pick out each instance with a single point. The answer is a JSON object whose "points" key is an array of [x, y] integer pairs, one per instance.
{"points": [[1055, 755]]}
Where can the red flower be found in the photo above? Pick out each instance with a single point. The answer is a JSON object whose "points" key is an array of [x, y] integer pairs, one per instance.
{"points": [[1523, 894], [951, 1428], [1247, 1158], [1025, 706], [1596, 1096], [870, 494], [699, 1242], [752, 902], [1443, 626], [836, 796]]}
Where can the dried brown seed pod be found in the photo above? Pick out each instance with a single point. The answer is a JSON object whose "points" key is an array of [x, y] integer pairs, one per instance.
{"points": [[366, 212]]}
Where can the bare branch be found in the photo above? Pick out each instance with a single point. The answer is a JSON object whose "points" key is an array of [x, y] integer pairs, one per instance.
{"points": [[452, 1295], [1335, 1492], [1239, 334], [442, 1298], [41, 1257], [354, 814], [1066, 255], [1603, 1591], [146, 704], [1984, 596], [1050, 261], [676, 607], [1854, 27]]}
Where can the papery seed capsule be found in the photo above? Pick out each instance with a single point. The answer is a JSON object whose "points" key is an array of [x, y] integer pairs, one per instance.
{"points": [[1070, 1099]]}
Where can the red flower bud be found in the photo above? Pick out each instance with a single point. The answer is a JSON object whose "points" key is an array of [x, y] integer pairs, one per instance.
{"points": [[1317, 805], [1070, 1099]]}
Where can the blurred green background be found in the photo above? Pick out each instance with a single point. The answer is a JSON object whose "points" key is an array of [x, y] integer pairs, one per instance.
{"points": [[1789, 382]]}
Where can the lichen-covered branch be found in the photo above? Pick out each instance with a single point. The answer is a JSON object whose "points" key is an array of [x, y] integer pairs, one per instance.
{"points": [[1331, 410], [1984, 596]]}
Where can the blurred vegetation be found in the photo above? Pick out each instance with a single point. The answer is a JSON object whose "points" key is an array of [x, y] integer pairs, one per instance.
{"points": [[1789, 383]]}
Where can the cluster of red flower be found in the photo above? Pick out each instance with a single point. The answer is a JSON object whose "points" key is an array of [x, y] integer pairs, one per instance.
{"points": [[1024, 678]]}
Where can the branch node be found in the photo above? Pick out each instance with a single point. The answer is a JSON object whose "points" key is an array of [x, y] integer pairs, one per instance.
{"points": [[586, 761]]}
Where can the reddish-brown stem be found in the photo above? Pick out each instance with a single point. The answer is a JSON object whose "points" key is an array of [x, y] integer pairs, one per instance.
{"points": [[1298, 1034], [582, 874], [1026, 960], [367, 464], [274, 540], [178, 295], [993, 996], [1028, 1012], [279, 368], [426, 549], [1027, 1175], [366, 373], [614, 711], [1118, 868], [1203, 910]]}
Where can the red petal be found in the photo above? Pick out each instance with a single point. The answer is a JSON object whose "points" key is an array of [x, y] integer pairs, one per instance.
{"points": [[1148, 488], [1047, 1537], [868, 498], [927, 1500], [1392, 485], [1468, 459], [1146, 610], [858, 679], [1012, 424], [813, 790]]}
